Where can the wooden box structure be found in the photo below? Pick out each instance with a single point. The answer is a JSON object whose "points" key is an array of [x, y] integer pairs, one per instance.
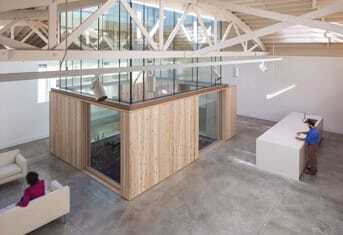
{"points": [[158, 137]]}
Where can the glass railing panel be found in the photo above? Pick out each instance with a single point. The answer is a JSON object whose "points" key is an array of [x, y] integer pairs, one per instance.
{"points": [[165, 77]]}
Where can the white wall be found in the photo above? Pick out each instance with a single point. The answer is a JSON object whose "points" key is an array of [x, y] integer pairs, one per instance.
{"points": [[319, 89], [22, 118]]}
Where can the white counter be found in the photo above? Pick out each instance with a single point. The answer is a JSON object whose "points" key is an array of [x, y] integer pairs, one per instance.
{"points": [[278, 151]]}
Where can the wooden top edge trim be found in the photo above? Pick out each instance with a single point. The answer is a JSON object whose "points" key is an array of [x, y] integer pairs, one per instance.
{"points": [[165, 99], [129, 107], [118, 105]]}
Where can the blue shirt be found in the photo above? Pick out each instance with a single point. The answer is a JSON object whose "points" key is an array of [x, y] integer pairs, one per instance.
{"points": [[312, 136]]}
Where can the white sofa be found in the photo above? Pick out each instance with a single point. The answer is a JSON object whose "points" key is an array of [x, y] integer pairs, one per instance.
{"points": [[22, 220], [13, 166]]}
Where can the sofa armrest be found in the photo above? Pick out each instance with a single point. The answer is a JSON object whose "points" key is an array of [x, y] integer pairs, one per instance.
{"points": [[55, 185], [8, 157], [22, 163]]}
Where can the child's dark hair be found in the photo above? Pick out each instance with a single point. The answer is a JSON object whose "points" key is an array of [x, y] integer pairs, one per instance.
{"points": [[311, 122], [32, 178]]}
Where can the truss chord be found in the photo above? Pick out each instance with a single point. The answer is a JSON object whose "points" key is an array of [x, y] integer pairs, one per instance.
{"points": [[333, 8], [177, 27]]}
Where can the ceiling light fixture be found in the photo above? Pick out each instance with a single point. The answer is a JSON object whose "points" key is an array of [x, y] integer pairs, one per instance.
{"points": [[235, 72], [274, 94], [263, 67]]}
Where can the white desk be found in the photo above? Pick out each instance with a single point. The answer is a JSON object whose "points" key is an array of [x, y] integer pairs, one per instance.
{"points": [[278, 151]]}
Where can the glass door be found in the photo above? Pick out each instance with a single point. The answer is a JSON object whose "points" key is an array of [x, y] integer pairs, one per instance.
{"points": [[105, 142], [208, 119]]}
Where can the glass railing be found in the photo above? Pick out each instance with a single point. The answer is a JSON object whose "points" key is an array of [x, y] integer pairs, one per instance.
{"points": [[171, 77]]}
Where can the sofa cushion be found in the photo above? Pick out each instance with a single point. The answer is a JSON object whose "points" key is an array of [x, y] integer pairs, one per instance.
{"points": [[9, 170], [8, 157]]}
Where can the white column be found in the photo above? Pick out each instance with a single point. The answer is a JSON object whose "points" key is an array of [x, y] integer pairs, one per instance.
{"points": [[53, 25], [161, 39]]}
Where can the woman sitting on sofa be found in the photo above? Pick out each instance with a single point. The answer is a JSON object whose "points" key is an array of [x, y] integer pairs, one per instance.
{"points": [[35, 190]]}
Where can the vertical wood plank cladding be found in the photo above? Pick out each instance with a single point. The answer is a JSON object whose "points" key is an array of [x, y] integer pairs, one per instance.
{"points": [[228, 112], [195, 119], [124, 153], [68, 129], [160, 140], [165, 138]]}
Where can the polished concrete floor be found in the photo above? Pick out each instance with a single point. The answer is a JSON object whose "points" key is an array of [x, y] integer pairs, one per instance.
{"points": [[221, 193]]}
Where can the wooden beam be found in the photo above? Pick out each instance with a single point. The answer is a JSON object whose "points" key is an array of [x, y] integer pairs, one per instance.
{"points": [[39, 55], [330, 9], [53, 25], [161, 30], [154, 29], [227, 32], [230, 17], [8, 26], [28, 14], [184, 30], [284, 17], [101, 71], [244, 44], [36, 31], [6, 5], [12, 32], [216, 36], [14, 44], [253, 48], [202, 25], [27, 36]]}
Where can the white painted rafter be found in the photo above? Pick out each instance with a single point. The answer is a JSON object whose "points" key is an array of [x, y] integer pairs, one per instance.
{"points": [[14, 43], [86, 24], [327, 10], [139, 24], [215, 35], [20, 4], [161, 28], [72, 5], [8, 26], [53, 25], [184, 30], [244, 44], [253, 48], [227, 32], [44, 55], [228, 16], [27, 36], [36, 31], [102, 71], [203, 26], [12, 32], [28, 14], [154, 29], [177, 27], [284, 17], [53, 4]]}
